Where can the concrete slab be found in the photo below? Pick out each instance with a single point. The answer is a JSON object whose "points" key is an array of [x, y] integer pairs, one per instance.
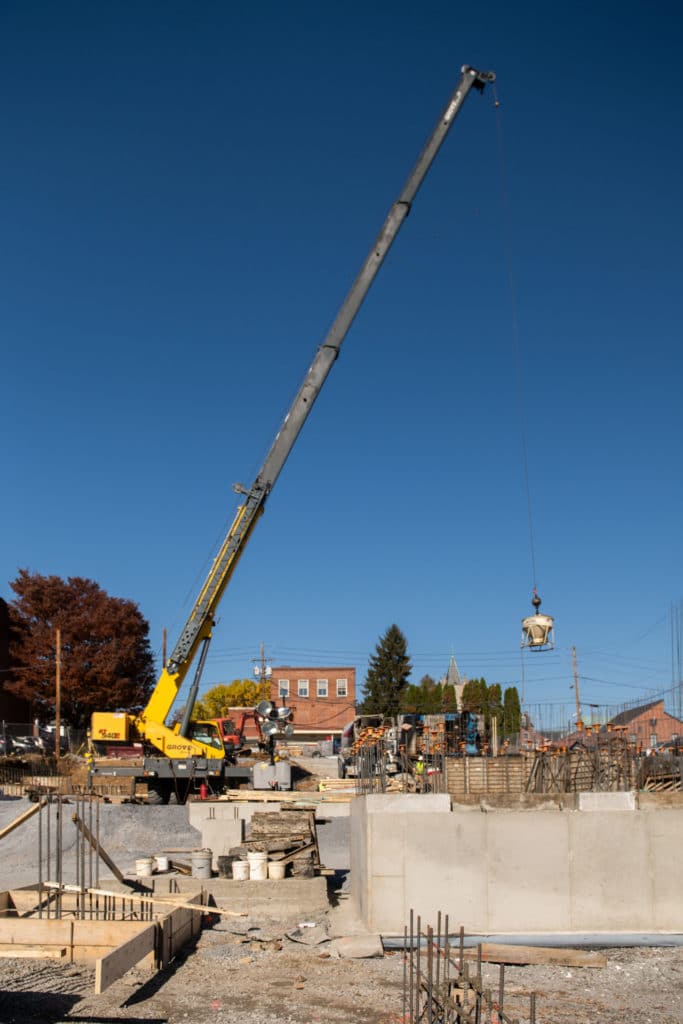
{"points": [[220, 835], [407, 803], [607, 801], [280, 899]]}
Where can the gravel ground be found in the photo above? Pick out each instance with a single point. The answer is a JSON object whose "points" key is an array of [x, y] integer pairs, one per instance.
{"points": [[249, 972]]}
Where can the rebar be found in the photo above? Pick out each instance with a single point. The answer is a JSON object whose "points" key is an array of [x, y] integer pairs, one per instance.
{"points": [[440, 989]]}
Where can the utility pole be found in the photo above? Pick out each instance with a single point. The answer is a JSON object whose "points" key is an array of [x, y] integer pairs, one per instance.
{"points": [[58, 693], [263, 672], [579, 720]]}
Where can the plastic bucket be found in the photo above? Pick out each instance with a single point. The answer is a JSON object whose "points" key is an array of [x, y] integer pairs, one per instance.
{"points": [[161, 863], [144, 867], [201, 863], [240, 869], [276, 869], [224, 865], [258, 865]]}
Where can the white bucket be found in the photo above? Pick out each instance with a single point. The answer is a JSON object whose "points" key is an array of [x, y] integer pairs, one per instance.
{"points": [[201, 863], [276, 869], [240, 869], [258, 865], [144, 867], [161, 863]]}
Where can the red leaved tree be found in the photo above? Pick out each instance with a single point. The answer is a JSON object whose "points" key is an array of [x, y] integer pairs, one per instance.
{"points": [[106, 661]]}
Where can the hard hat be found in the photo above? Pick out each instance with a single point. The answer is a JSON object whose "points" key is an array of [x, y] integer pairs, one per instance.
{"points": [[420, 758]]}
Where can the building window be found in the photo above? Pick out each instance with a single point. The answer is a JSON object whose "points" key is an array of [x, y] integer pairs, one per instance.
{"points": [[342, 687], [321, 687], [283, 687], [302, 687]]}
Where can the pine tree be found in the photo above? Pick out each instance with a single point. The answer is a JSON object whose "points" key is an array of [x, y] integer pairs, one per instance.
{"points": [[389, 669], [512, 712], [475, 696], [494, 705]]}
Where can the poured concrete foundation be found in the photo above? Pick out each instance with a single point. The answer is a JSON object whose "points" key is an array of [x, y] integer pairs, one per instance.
{"points": [[516, 869]]}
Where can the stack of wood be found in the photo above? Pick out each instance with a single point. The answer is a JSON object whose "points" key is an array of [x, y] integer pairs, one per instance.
{"points": [[286, 836]]}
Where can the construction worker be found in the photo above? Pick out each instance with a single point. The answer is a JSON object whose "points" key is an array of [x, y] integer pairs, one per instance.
{"points": [[420, 773]]}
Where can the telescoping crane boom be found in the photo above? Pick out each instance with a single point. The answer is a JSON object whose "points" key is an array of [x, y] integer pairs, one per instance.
{"points": [[194, 639]]}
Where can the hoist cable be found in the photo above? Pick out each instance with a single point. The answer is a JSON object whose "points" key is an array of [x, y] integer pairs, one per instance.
{"points": [[507, 246]]}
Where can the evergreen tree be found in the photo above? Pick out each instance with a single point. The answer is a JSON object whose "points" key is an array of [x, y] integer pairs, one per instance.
{"points": [[512, 712], [494, 705], [475, 696], [388, 673], [449, 700]]}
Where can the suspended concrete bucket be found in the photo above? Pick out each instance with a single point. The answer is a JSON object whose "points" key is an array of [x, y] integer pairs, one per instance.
{"points": [[538, 629]]}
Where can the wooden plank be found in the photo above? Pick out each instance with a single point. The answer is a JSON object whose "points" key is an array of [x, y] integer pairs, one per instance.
{"points": [[98, 848], [168, 900], [32, 931], [497, 953], [32, 952], [114, 965], [20, 820]]}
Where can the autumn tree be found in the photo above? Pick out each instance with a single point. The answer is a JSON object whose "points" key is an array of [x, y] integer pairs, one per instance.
{"points": [[106, 661], [216, 702], [389, 669]]}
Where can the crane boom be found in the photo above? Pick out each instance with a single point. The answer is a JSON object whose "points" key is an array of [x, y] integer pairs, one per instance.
{"points": [[200, 621]]}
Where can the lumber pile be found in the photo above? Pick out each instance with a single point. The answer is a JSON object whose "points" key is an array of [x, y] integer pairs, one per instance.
{"points": [[289, 836]]}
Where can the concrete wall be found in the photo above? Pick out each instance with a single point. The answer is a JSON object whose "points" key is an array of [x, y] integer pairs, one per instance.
{"points": [[606, 868]]}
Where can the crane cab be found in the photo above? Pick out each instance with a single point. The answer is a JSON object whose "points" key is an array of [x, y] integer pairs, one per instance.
{"points": [[538, 629]]}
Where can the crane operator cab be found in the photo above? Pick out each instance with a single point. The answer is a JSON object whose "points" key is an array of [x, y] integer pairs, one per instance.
{"points": [[538, 629]]}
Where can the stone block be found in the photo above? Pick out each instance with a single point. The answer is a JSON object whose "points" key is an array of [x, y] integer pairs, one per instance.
{"points": [[607, 801]]}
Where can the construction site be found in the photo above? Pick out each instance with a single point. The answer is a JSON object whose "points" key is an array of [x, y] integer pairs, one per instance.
{"points": [[318, 855]]}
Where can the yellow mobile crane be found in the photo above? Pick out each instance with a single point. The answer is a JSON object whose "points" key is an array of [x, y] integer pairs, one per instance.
{"points": [[191, 753]]}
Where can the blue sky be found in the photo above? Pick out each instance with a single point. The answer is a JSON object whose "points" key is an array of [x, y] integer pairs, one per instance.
{"points": [[187, 192]]}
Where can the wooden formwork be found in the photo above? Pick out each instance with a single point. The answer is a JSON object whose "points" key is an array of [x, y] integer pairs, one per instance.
{"points": [[114, 946], [487, 776]]}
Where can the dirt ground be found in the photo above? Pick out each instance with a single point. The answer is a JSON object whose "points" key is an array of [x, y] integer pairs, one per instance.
{"points": [[249, 972]]}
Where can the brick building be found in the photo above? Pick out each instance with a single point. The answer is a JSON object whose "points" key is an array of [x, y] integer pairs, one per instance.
{"points": [[649, 724], [322, 699]]}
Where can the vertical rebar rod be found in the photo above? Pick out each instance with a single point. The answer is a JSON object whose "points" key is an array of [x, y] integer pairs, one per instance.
{"points": [[90, 849], [97, 834], [405, 968], [532, 1008], [418, 965], [40, 858], [412, 1007], [49, 851], [430, 975], [501, 990], [438, 954], [58, 854]]}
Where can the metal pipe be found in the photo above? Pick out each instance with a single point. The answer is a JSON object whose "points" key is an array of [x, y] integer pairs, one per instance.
{"points": [[558, 940]]}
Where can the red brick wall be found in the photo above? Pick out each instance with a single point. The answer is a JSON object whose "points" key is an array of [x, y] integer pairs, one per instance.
{"points": [[654, 721], [316, 713]]}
